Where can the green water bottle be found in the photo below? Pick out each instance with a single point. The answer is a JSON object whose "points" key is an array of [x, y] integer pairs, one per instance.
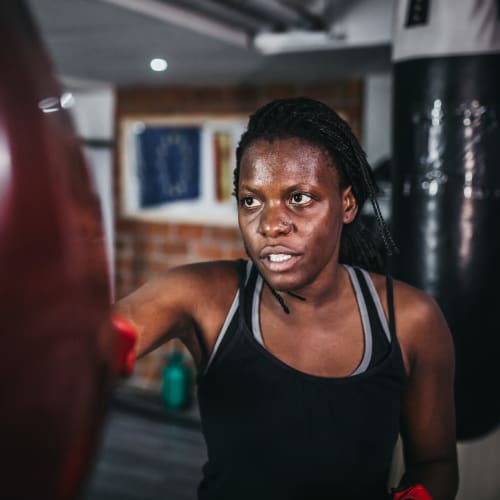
{"points": [[176, 382]]}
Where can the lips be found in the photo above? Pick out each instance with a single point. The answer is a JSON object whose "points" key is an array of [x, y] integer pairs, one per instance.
{"points": [[279, 258]]}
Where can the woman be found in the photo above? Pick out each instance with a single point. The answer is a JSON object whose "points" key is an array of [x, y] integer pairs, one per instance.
{"points": [[309, 366]]}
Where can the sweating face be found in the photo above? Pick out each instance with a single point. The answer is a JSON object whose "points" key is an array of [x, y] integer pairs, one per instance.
{"points": [[291, 212]]}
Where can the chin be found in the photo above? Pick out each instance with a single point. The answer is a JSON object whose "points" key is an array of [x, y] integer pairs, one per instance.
{"points": [[282, 282]]}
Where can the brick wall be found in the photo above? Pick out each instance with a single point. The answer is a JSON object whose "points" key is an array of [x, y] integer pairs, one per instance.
{"points": [[144, 248]]}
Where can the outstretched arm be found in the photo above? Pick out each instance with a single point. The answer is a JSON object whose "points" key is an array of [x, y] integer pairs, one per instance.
{"points": [[158, 310], [188, 302], [428, 409]]}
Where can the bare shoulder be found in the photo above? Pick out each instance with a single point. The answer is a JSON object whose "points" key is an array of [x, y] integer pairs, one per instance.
{"points": [[203, 278], [421, 327], [188, 283], [205, 290]]}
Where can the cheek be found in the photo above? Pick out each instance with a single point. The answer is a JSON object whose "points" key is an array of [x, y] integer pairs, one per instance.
{"points": [[326, 236], [245, 233], [323, 235]]}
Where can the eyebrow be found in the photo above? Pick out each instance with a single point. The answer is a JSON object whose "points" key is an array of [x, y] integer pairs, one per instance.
{"points": [[300, 186], [246, 187]]}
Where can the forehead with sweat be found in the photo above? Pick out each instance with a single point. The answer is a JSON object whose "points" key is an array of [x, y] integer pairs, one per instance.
{"points": [[287, 154], [314, 123]]}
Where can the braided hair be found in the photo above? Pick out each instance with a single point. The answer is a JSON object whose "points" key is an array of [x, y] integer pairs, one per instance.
{"points": [[317, 124]]}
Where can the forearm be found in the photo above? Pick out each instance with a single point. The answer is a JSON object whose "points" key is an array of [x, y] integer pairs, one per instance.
{"points": [[440, 478]]}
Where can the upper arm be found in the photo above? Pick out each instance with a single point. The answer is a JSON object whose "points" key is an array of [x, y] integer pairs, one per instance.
{"points": [[428, 407], [180, 302]]}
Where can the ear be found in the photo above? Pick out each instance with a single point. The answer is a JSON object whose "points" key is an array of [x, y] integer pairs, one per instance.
{"points": [[349, 205]]}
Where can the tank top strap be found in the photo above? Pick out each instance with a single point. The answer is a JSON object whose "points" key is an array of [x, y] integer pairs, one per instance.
{"points": [[376, 332], [373, 299], [390, 305], [365, 321], [248, 282], [230, 326]]}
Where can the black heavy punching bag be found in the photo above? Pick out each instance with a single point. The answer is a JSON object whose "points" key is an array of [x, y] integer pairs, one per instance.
{"points": [[446, 194]]}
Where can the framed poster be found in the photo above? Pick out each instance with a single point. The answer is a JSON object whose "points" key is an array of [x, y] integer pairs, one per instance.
{"points": [[223, 167], [168, 164], [179, 168]]}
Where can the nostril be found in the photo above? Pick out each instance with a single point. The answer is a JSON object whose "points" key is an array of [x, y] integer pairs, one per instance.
{"points": [[275, 228]]}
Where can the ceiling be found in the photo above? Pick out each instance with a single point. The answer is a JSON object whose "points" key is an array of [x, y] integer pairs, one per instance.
{"points": [[214, 42]]}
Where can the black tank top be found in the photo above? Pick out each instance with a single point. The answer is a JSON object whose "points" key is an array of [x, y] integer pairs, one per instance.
{"points": [[274, 432]]}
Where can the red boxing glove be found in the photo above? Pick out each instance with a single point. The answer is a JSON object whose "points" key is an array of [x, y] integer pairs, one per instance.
{"points": [[417, 492], [125, 343]]}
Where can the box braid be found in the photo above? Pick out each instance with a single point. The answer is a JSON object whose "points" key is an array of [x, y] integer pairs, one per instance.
{"points": [[316, 123]]}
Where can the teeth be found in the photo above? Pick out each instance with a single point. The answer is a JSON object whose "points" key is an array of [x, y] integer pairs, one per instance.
{"points": [[279, 257]]}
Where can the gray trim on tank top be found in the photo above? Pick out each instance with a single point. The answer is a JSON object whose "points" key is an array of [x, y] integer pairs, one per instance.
{"points": [[378, 305], [365, 320], [227, 321], [257, 332]]}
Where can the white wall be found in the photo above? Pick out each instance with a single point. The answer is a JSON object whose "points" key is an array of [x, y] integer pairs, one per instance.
{"points": [[93, 116], [377, 116], [479, 463], [377, 131]]}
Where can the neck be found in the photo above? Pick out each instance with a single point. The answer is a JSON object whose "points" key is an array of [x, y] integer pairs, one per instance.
{"points": [[312, 296]]}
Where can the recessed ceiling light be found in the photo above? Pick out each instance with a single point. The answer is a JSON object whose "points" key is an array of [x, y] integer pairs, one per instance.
{"points": [[67, 100], [158, 64]]}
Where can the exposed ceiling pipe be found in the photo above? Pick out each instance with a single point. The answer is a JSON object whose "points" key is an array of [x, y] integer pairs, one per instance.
{"points": [[312, 10], [350, 24], [227, 14], [283, 16], [188, 19]]}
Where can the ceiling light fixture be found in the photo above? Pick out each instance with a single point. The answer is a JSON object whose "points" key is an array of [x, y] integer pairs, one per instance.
{"points": [[158, 64], [186, 19], [297, 41]]}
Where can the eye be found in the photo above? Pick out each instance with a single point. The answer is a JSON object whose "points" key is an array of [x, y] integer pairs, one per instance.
{"points": [[300, 199], [249, 202]]}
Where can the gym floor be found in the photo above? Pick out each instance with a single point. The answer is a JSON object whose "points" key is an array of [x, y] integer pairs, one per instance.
{"points": [[147, 453]]}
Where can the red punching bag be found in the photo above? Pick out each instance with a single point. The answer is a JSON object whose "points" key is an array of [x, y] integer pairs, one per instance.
{"points": [[57, 339]]}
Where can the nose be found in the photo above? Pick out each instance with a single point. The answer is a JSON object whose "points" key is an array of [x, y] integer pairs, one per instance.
{"points": [[273, 222]]}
